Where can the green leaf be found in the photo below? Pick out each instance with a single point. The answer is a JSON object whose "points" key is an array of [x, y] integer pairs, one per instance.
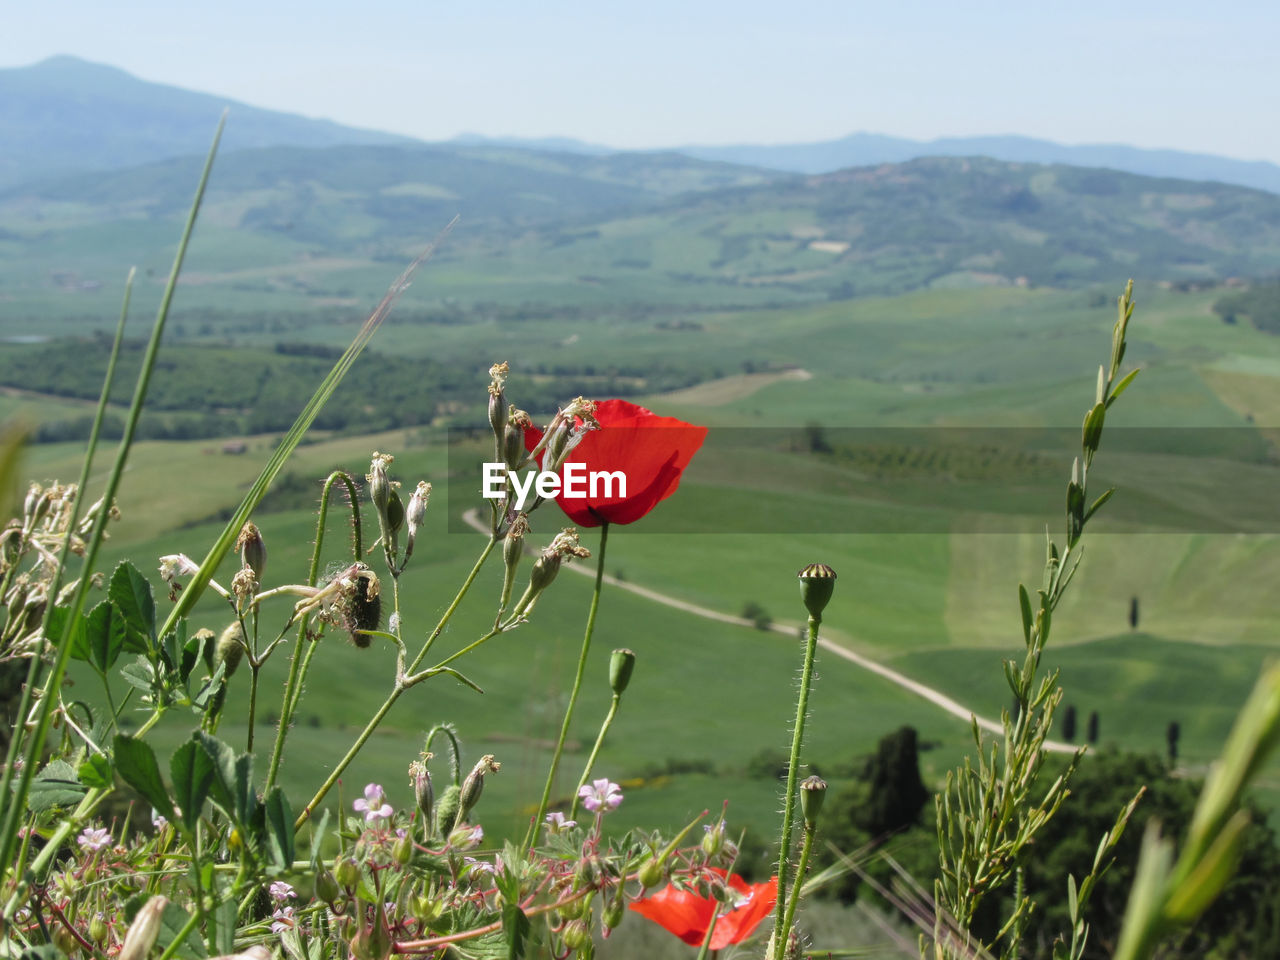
{"points": [[193, 771], [226, 933], [57, 785], [172, 921], [130, 591], [95, 772], [515, 927], [223, 789], [1120, 387], [280, 840], [140, 675], [210, 687], [1098, 503], [136, 763], [58, 624], [1025, 603], [105, 633]]}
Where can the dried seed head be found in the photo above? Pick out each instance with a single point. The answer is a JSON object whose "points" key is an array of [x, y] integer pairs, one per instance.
{"points": [[420, 780], [379, 483], [252, 549], [473, 785]]}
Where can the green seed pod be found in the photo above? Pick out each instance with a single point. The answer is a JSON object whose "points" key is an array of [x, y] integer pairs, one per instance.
{"points": [[327, 888], [576, 934], [347, 873], [447, 809], [713, 840], [395, 513], [813, 790], [817, 582], [402, 850], [230, 648], [621, 664], [513, 451], [614, 911], [423, 795], [498, 408], [98, 929], [651, 873], [65, 941]]}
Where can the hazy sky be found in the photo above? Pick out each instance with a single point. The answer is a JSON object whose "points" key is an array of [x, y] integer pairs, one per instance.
{"points": [[1192, 76]]}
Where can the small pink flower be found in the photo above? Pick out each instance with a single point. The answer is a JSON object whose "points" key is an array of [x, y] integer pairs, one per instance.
{"points": [[374, 805], [281, 891], [94, 839], [600, 795]]}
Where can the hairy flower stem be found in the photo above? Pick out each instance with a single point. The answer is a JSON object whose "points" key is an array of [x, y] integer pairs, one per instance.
{"points": [[782, 925], [400, 687], [801, 868], [573, 696], [591, 760]]}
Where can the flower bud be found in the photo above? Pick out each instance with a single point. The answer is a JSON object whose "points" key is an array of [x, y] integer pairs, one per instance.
{"points": [[144, 930], [98, 929], [347, 872], [813, 790], [621, 664], [576, 934], [513, 452], [473, 785], [614, 911], [426, 910], [465, 837], [230, 648], [327, 888], [817, 582], [252, 550], [447, 809]]}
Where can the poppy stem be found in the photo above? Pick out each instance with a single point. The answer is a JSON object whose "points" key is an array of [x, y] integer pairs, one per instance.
{"points": [[782, 924], [803, 866], [573, 696]]}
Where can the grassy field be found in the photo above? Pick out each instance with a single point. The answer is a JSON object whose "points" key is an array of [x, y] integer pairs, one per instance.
{"points": [[940, 605]]}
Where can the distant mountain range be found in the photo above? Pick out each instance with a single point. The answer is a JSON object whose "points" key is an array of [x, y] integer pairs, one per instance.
{"points": [[66, 115]]}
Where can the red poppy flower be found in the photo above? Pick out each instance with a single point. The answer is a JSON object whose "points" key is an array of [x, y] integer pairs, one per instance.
{"points": [[650, 451], [688, 915]]}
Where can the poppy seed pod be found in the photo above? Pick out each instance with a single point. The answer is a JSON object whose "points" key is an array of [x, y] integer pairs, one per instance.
{"points": [[813, 790], [621, 664], [817, 582], [253, 551]]}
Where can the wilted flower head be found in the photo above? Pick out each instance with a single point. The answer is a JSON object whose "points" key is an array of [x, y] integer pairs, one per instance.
{"points": [[373, 805], [600, 795]]}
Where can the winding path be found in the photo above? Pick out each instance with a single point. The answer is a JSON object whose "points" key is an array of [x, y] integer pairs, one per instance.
{"points": [[924, 691]]}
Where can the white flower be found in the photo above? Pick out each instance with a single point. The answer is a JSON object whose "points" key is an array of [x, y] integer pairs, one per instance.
{"points": [[374, 805], [94, 839], [600, 794], [556, 823]]}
